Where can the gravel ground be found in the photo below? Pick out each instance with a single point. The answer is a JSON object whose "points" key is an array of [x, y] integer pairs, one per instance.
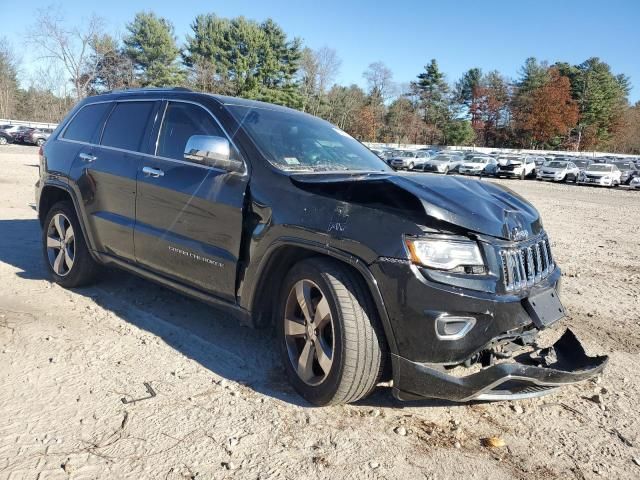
{"points": [[223, 408]]}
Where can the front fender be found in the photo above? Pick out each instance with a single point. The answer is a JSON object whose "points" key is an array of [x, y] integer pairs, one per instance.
{"points": [[255, 277]]}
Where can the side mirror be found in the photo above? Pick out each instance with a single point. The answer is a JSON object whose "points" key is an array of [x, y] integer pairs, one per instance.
{"points": [[212, 151]]}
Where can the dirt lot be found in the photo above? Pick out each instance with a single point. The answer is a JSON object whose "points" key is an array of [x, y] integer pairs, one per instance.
{"points": [[223, 408]]}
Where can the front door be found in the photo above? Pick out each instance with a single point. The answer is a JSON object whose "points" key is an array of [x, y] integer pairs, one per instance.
{"points": [[189, 215]]}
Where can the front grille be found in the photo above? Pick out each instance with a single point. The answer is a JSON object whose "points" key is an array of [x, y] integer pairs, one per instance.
{"points": [[524, 266]]}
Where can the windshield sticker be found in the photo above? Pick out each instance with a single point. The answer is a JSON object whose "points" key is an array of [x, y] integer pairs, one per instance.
{"points": [[291, 161]]}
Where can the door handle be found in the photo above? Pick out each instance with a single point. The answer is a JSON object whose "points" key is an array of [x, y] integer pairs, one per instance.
{"points": [[87, 157], [153, 172]]}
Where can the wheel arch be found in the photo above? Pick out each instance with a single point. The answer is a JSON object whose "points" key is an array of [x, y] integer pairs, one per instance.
{"points": [[53, 193], [282, 256]]}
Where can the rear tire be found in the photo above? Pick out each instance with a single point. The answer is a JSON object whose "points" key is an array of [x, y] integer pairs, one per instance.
{"points": [[338, 356], [65, 252], [3, 141]]}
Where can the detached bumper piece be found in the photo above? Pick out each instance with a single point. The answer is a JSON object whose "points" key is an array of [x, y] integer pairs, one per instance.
{"points": [[528, 375]]}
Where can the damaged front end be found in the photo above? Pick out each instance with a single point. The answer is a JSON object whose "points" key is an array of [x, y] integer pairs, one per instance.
{"points": [[509, 371], [468, 280]]}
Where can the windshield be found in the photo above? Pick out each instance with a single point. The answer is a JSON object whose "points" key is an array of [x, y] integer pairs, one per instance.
{"points": [[478, 160], [624, 165], [441, 158], [599, 168], [581, 163], [297, 142], [555, 164]]}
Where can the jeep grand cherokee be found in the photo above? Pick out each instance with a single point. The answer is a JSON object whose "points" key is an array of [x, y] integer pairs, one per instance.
{"points": [[287, 221]]}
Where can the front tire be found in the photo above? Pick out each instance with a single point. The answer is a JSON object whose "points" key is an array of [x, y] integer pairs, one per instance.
{"points": [[65, 252], [40, 142], [331, 344], [3, 141]]}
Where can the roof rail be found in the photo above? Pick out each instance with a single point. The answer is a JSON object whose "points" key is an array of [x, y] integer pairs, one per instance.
{"points": [[150, 89]]}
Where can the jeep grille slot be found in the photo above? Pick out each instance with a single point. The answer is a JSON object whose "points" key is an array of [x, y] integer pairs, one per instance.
{"points": [[524, 266]]}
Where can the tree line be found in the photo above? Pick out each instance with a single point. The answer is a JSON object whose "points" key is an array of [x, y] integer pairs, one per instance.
{"points": [[551, 106]]}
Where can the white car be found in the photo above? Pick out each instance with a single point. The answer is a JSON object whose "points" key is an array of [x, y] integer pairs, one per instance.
{"points": [[480, 165], [516, 167], [559, 171], [604, 174]]}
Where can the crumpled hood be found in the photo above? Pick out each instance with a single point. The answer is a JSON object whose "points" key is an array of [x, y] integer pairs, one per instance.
{"points": [[480, 206]]}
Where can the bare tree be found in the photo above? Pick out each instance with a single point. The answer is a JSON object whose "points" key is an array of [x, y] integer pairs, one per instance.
{"points": [[379, 80], [69, 46], [8, 79], [318, 68]]}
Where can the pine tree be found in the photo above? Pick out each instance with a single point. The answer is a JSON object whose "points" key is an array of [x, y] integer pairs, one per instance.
{"points": [[151, 44]]}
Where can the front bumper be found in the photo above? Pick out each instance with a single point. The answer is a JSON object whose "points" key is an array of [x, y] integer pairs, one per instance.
{"points": [[509, 173], [416, 302], [518, 379], [550, 176], [595, 181], [471, 171]]}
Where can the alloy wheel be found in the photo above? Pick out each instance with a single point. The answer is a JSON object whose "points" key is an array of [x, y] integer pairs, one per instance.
{"points": [[3, 141], [61, 246], [309, 332]]}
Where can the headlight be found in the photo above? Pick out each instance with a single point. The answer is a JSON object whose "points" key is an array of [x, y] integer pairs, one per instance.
{"points": [[453, 255]]}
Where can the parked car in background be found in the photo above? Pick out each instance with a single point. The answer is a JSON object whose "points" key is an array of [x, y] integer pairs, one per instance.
{"points": [[559, 171], [39, 136], [20, 135], [443, 163], [15, 130], [628, 171], [581, 163], [5, 138], [410, 160], [512, 166], [479, 165], [604, 174]]}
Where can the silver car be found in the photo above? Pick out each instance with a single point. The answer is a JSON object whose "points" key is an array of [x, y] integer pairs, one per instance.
{"points": [[443, 163], [559, 171], [410, 160], [604, 174]]}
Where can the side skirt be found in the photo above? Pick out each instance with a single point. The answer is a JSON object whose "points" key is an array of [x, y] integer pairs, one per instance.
{"points": [[243, 316]]}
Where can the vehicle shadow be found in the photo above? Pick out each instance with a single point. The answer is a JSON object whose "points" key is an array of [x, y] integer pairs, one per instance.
{"points": [[206, 335], [202, 333]]}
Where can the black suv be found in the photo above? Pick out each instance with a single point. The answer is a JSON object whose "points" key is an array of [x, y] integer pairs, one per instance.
{"points": [[366, 274]]}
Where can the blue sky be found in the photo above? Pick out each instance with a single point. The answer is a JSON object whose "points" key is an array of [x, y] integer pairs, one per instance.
{"points": [[405, 35]]}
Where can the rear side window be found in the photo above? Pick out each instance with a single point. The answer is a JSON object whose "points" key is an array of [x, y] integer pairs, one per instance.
{"points": [[86, 123], [181, 121], [127, 124]]}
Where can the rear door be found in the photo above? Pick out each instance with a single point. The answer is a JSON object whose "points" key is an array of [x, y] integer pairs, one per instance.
{"points": [[189, 215], [107, 177]]}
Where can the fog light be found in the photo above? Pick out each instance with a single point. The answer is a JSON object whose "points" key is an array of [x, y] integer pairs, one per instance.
{"points": [[453, 328]]}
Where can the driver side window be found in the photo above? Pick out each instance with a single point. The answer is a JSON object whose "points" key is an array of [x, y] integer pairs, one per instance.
{"points": [[181, 121]]}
